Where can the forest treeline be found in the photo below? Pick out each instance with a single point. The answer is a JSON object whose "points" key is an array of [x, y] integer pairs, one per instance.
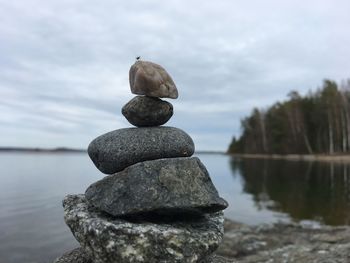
{"points": [[316, 123]]}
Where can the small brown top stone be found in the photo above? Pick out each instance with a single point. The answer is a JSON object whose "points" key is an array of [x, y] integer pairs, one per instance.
{"points": [[150, 79]]}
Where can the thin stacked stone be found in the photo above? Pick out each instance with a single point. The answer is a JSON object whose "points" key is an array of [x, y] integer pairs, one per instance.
{"points": [[158, 204]]}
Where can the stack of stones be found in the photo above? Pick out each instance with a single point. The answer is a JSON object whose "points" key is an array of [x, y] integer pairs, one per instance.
{"points": [[158, 204]]}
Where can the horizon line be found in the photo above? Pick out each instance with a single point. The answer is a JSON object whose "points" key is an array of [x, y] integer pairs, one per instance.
{"points": [[69, 149]]}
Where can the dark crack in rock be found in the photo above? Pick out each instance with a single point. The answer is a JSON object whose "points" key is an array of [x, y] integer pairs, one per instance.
{"points": [[116, 150], [217, 259], [112, 240], [163, 186]]}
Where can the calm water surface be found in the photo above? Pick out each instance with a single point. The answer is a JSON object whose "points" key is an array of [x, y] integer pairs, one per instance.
{"points": [[258, 191]]}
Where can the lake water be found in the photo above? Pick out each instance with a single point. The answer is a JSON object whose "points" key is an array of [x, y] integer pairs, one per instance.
{"points": [[259, 191]]}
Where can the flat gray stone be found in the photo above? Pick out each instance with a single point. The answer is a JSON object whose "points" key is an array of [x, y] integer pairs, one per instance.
{"points": [[143, 111], [116, 150], [151, 79], [165, 186], [112, 240]]}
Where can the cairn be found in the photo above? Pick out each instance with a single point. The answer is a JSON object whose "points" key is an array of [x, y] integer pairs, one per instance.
{"points": [[158, 204]]}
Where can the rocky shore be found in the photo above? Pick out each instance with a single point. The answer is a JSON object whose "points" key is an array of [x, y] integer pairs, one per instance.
{"points": [[287, 243], [284, 243]]}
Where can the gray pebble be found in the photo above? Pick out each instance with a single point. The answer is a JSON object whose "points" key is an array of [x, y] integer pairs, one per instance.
{"points": [[143, 111]]}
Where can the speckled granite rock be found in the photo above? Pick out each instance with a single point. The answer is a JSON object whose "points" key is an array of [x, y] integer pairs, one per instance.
{"points": [[163, 186], [112, 240], [151, 79], [116, 150], [77, 255], [143, 111]]}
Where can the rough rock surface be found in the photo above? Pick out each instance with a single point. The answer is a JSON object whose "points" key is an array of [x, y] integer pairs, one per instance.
{"points": [[217, 259], [143, 111], [164, 186], [116, 240], [290, 243], [77, 255], [148, 78], [116, 150]]}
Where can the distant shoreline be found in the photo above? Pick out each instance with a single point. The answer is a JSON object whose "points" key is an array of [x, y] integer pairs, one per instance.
{"points": [[41, 150], [298, 157], [70, 150]]}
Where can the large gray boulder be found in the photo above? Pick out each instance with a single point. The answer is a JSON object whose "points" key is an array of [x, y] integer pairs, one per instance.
{"points": [[116, 150], [165, 186], [143, 111], [111, 240], [151, 79]]}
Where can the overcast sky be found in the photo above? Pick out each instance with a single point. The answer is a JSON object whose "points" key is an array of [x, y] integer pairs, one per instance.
{"points": [[64, 63]]}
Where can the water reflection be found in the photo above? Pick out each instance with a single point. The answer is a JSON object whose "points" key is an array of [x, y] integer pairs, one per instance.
{"points": [[304, 190], [32, 186]]}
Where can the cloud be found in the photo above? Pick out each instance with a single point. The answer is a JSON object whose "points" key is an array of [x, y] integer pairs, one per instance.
{"points": [[64, 64]]}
